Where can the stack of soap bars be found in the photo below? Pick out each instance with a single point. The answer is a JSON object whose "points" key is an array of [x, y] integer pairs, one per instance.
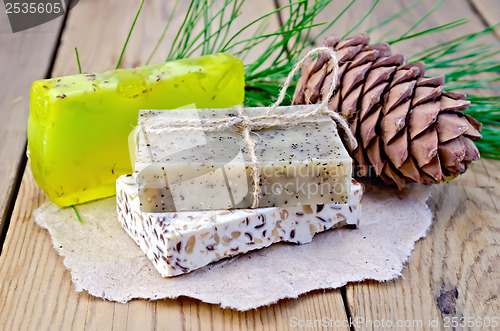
{"points": [[193, 198]]}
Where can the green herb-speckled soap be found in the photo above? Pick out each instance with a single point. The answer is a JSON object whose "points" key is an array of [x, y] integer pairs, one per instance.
{"points": [[79, 125]]}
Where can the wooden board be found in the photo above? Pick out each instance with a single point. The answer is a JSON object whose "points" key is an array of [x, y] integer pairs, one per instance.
{"points": [[25, 57]]}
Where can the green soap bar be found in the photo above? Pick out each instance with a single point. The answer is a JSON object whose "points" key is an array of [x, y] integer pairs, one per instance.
{"points": [[78, 125]]}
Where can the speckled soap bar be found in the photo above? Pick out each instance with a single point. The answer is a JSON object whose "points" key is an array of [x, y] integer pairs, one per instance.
{"points": [[196, 169], [177, 243]]}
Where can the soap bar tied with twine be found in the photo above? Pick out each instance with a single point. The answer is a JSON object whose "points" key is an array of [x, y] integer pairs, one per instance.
{"points": [[254, 121]]}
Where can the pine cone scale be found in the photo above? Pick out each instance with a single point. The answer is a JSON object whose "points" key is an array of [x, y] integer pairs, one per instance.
{"points": [[471, 151], [354, 77], [473, 130], [394, 122], [424, 147], [453, 153], [368, 127], [377, 76], [397, 150], [410, 170], [434, 81], [422, 117], [449, 104], [433, 169], [450, 127], [391, 60], [370, 99], [397, 94], [373, 153], [425, 93]]}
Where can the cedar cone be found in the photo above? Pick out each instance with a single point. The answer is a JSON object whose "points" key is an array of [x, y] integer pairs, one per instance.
{"points": [[408, 128]]}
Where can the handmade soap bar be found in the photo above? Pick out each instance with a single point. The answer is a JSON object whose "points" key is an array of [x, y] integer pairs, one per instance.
{"points": [[79, 125], [200, 169], [177, 243]]}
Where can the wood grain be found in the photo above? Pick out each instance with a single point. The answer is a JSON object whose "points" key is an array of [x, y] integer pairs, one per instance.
{"points": [[35, 288], [25, 57]]}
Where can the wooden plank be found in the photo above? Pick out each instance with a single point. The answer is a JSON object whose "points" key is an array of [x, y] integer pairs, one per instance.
{"points": [[458, 260], [489, 10], [25, 56], [36, 290], [460, 255]]}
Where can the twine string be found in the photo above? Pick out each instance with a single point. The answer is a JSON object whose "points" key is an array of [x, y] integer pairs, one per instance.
{"points": [[322, 108], [247, 128], [308, 115], [324, 103]]}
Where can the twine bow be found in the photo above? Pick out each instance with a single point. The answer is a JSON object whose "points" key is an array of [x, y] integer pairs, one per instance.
{"points": [[309, 115]]}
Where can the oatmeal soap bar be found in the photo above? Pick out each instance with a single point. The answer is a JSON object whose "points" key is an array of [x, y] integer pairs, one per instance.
{"points": [[78, 125], [177, 243], [184, 169]]}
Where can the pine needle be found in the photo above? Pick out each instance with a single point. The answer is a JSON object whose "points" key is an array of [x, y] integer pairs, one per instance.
{"points": [[264, 36], [227, 44], [78, 60], [180, 30], [128, 37], [439, 28], [422, 19], [77, 213], [320, 34], [248, 46], [452, 44], [394, 17]]}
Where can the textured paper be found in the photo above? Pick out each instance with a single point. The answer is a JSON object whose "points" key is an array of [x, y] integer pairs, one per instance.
{"points": [[106, 263]]}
